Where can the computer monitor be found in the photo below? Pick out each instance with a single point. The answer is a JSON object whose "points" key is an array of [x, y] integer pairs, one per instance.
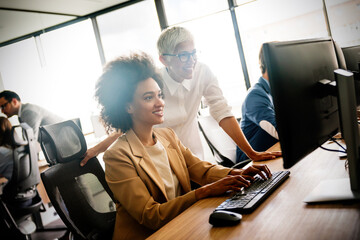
{"points": [[349, 124], [306, 113], [352, 57], [352, 61], [348, 188], [310, 106]]}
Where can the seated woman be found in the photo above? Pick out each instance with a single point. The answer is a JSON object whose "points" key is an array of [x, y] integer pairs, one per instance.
{"points": [[6, 161], [148, 169]]}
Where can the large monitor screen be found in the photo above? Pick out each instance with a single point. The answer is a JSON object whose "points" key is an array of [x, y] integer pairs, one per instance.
{"points": [[306, 113]]}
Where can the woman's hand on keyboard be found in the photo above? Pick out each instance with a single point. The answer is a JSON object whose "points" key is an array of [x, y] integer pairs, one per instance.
{"points": [[259, 169], [230, 182]]}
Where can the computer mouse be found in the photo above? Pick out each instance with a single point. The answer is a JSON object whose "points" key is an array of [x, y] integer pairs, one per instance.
{"points": [[224, 218]]}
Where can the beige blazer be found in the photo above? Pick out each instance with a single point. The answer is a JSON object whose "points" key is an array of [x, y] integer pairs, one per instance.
{"points": [[143, 206]]}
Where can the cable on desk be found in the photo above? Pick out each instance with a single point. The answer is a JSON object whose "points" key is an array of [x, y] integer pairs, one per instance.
{"points": [[335, 140], [332, 150]]}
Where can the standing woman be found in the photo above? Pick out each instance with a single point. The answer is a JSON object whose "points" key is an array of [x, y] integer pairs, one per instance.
{"points": [[148, 169], [6, 161]]}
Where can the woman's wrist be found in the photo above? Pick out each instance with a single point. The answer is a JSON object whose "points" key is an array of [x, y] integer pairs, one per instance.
{"points": [[252, 154], [201, 193], [236, 172]]}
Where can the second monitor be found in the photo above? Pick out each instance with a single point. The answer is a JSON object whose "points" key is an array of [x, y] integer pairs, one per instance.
{"points": [[352, 57]]}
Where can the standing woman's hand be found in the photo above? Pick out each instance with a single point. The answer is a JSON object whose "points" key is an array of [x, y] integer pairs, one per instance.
{"points": [[263, 156]]}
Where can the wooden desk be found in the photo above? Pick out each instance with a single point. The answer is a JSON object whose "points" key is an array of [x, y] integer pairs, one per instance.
{"points": [[40, 187], [283, 215]]}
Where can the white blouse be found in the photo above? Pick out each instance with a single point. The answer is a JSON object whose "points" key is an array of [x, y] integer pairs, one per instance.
{"points": [[159, 157], [182, 101]]}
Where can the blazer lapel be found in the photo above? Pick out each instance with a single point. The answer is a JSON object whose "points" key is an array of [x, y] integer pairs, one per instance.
{"points": [[145, 162]]}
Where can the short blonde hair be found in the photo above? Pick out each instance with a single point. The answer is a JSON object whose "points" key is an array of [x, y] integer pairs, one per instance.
{"points": [[171, 37]]}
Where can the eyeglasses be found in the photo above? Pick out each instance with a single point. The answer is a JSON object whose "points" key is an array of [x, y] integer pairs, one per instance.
{"points": [[4, 105], [183, 57]]}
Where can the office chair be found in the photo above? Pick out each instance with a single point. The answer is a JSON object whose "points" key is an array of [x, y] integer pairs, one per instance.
{"points": [[20, 199], [77, 122], [221, 145], [80, 195]]}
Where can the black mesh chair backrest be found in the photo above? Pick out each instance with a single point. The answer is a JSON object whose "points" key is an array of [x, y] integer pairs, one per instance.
{"points": [[20, 198], [80, 195], [62, 142], [25, 175]]}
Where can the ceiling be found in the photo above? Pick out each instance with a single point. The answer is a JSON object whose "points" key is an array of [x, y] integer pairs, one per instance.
{"points": [[19, 18]]}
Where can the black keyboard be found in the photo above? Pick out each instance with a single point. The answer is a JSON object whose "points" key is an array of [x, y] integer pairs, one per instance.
{"points": [[250, 198]]}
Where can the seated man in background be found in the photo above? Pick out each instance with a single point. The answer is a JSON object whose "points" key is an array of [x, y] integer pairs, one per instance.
{"points": [[258, 115], [34, 115]]}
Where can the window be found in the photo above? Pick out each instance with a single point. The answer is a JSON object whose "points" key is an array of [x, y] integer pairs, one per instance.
{"points": [[72, 66], [215, 39], [21, 71], [344, 20], [277, 20], [124, 30]]}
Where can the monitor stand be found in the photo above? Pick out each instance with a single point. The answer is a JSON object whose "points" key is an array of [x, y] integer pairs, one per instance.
{"points": [[342, 155], [341, 189], [332, 190]]}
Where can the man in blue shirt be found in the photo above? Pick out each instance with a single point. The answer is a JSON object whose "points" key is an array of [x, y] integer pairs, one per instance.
{"points": [[258, 115]]}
